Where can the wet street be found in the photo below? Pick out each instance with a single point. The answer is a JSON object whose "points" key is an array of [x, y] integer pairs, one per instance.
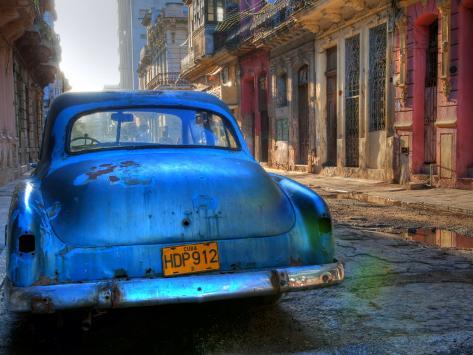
{"points": [[400, 296]]}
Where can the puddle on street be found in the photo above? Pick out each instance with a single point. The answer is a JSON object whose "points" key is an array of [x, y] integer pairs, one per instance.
{"points": [[440, 237]]}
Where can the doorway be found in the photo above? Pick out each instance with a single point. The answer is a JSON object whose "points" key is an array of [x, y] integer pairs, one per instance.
{"points": [[303, 110], [263, 108], [331, 76], [430, 96]]}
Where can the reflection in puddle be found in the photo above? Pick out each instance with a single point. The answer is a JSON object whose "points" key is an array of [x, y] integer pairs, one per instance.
{"points": [[440, 237]]}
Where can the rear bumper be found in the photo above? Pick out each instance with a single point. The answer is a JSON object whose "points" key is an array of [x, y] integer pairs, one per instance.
{"points": [[185, 289]]}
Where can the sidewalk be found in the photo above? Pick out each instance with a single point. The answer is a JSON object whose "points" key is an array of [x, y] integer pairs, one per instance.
{"points": [[5, 196], [437, 199]]}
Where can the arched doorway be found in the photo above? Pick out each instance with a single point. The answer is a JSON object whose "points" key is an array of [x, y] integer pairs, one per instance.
{"points": [[303, 112]]}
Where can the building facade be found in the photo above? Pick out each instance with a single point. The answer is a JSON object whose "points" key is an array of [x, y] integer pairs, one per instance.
{"points": [[131, 38], [353, 98], [29, 57], [434, 96], [53, 90], [369, 89], [161, 57]]}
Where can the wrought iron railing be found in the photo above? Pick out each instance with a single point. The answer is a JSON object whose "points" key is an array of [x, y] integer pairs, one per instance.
{"points": [[245, 26], [170, 79]]}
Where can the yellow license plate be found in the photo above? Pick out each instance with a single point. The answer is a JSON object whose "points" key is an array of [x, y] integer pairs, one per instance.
{"points": [[190, 258]]}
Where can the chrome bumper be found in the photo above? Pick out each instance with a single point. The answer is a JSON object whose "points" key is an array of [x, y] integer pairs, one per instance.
{"points": [[184, 289]]}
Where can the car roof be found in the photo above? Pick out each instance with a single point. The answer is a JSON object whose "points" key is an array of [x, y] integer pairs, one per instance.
{"points": [[79, 98], [75, 103]]}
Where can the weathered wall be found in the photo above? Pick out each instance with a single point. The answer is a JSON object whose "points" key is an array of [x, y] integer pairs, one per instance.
{"points": [[453, 147]]}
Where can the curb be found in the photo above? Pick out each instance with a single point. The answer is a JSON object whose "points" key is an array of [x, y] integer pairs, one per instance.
{"points": [[386, 201]]}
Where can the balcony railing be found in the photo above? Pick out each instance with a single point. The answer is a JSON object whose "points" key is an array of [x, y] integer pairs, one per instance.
{"points": [[245, 27], [170, 79], [188, 61]]}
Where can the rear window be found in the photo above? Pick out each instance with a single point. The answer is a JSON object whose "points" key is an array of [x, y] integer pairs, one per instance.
{"points": [[151, 128]]}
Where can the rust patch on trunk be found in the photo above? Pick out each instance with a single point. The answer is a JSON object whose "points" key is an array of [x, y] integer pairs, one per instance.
{"points": [[113, 178], [128, 163], [93, 175]]}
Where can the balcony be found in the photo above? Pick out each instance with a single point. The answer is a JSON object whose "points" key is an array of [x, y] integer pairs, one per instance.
{"points": [[188, 61], [240, 29], [170, 80]]}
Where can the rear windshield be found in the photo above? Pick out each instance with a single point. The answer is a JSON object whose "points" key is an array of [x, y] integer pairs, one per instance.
{"points": [[151, 128]]}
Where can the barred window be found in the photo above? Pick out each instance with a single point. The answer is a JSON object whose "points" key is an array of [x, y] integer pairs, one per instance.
{"points": [[282, 91], [352, 99], [282, 129], [377, 78]]}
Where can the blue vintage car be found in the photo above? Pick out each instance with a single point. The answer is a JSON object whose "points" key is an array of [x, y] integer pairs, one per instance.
{"points": [[148, 198]]}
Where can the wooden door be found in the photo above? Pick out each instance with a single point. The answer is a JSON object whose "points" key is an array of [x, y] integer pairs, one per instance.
{"points": [[263, 108], [430, 96], [331, 76], [303, 112]]}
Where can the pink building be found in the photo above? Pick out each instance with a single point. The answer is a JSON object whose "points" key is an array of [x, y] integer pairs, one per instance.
{"points": [[434, 92]]}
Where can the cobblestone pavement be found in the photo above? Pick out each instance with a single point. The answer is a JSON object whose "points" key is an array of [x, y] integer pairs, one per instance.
{"points": [[398, 297]]}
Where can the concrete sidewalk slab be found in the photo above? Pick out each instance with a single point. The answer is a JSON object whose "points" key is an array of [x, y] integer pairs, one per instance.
{"points": [[436, 199]]}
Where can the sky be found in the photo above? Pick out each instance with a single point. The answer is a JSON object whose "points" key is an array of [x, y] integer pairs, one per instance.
{"points": [[89, 41]]}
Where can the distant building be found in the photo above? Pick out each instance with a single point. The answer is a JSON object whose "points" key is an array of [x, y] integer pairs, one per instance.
{"points": [[132, 37], [60, 84], [53, 90], [160, 64]]}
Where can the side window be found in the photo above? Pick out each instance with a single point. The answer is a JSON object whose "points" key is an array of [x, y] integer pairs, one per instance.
{"points": [[211, 130]]}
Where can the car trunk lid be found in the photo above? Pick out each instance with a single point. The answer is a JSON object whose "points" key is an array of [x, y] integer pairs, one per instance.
{"points": [[163, 197]]}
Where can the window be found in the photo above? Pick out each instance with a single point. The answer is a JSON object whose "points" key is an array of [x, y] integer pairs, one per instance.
{"points": [[377, 78], [282, 91], [215, 10], [352, 99], [134, 129], [282, 129], [173, 37], [199, 13]]}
